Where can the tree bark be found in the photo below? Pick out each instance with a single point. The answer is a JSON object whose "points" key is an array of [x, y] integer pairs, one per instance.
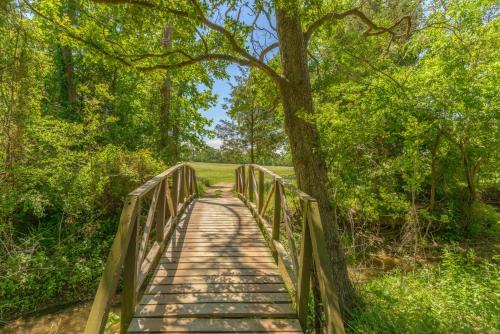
{"points": [[69, 71], [164, 124], [309, 165]]}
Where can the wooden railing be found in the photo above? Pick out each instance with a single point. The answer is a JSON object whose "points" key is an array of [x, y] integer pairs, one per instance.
{"points": [[147, 221], [271, 212]]}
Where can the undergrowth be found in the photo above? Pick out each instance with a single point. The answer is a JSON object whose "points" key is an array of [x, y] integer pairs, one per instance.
{"points": [[460, 295]]}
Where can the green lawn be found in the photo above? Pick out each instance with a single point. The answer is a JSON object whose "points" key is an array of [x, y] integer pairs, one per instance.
{"points": [[217, 173]]}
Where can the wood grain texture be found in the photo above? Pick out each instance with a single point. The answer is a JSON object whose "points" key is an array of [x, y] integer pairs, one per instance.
{"points": [[217, 267]]}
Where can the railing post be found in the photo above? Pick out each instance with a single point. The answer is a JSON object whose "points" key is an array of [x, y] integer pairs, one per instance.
{"points": [[277, 211], [195, 184], [251, 177], [181, 184], [243, 180], [237, 180], [185, 183], [175, 191], [160, 211], [304, 270], [322, 263], [260, 191], [130, 272]]}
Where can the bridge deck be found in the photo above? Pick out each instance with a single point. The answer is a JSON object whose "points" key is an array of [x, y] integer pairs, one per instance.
{"points": [[216, 276]]}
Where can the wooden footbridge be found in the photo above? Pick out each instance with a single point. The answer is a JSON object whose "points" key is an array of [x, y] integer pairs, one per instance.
{"points": [[217, 263]]}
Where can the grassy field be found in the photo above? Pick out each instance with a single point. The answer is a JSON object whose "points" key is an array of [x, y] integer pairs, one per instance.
{"points": [[217, 173]]}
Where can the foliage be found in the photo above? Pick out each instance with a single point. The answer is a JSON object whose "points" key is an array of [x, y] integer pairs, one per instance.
{"points": [[78, 133], [254, 134], [457, 296], [426, 131]]}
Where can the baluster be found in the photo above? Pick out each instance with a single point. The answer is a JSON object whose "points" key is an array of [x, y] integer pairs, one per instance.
{"points": [[260, 191], [181, 185], [185, 183], [304, 270], [236, 180], [243, 179], [250, 183], [195, 183], [160, 211], [277, 213], [175, 191], [130, 273]]}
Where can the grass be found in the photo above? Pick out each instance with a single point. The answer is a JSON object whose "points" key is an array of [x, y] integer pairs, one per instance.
{"points": [[459, 295], [224, 173]]}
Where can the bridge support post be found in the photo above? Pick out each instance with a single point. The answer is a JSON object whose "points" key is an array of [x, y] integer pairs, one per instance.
{"points": [[322, 264], [260, 191], [251, 178], [277, 213], [129, 296], [160, 211], [304, 270]]}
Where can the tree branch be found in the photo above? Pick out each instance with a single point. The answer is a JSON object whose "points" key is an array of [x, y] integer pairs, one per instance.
{"points": [[267, 50], [372, 28], [195, 60], [144, 3], [252, 61]]}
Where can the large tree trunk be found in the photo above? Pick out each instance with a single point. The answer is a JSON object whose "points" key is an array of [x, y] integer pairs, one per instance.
{"points": [[164, 120], [69, 70], [309, 165]]}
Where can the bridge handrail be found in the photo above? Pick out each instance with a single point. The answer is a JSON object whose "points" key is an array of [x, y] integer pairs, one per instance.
{"points": [[172, 191], [313, 246]]}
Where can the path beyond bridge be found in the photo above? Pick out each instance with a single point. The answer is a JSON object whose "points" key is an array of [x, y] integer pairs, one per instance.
{"points": [[213, 263]]}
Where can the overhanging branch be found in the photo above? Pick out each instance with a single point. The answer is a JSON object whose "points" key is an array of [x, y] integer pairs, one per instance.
{"points": [[372, 28]]}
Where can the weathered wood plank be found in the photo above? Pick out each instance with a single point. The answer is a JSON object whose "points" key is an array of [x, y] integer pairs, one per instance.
{"points": [[216, 279], [213, 297], [217, 259], [217, 272], [214, 310], [217, 287], [172, 325], [234, 265], [217, 253]]}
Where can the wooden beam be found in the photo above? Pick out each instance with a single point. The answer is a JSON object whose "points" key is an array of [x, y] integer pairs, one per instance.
{"points": [[323, 266], [110, 277]]}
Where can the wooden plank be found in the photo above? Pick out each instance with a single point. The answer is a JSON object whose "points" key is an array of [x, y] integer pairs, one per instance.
{"points": [[216, 279], [212, 297], [217, 253], [217, 287], [215, 243], [221, 233], [217, 272], [217, 259], [208, 265], [172, 325], [213, 310], [225, 248]]}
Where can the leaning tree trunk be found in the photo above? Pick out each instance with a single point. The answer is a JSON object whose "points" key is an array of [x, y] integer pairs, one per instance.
{"points": [[309, 164]]}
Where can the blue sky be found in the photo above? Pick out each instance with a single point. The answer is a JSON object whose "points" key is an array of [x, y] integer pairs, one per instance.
{"points": [[223, 90]]}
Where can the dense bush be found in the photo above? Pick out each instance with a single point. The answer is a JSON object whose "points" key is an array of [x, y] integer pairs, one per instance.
{"points": [[61, 259]]}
